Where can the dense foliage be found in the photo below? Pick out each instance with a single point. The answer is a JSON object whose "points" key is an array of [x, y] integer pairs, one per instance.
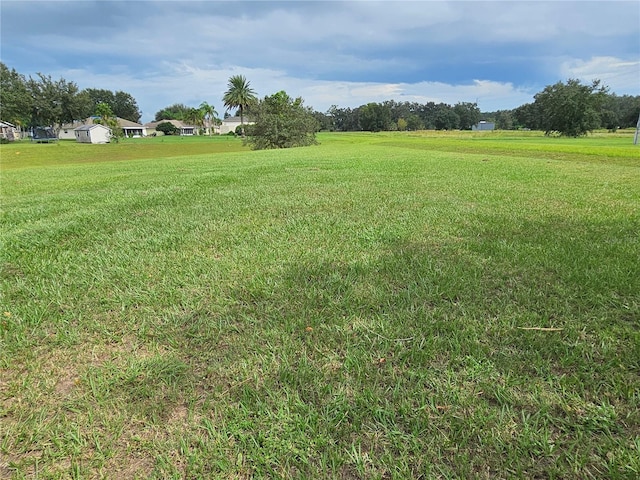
{"points": [[14, 97], [105, 116], [204, 117], [167, 128], [177, 111], [391, 115], [570, 109], [122, 104], [281, 122]]}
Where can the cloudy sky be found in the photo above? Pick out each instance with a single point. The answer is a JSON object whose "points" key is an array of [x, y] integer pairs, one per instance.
{"points": [[497, 53]]}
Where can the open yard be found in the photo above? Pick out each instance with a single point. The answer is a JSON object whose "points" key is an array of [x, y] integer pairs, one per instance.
{"points": [[394, 305]]}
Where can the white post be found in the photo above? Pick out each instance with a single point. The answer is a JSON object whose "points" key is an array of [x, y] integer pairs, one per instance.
{"points": [[635, 137]]}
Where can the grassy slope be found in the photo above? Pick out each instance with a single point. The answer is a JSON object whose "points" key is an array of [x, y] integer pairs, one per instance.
{"points": [[351, 310], [24, 154]]}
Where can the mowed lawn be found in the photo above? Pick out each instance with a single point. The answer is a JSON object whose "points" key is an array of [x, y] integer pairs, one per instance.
{"points": [[394, 305]]}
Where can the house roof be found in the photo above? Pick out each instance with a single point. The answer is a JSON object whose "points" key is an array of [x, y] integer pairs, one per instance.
{"points": [[175, 123], [90, 127], [7, 124], [229, 120], [124, 123]]}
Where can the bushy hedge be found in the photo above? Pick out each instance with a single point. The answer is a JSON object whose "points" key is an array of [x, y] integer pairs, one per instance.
{"points": [[167, 128]]}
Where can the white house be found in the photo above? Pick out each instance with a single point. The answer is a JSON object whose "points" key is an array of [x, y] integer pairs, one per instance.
{"points": [[132, 129], [93, 134], [230, 124], [185, 129]]}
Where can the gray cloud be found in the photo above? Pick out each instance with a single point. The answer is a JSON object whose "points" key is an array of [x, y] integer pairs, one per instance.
{"points": [[165, 52]]}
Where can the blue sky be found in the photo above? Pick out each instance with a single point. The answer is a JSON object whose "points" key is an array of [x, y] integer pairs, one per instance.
{"points": [[331, 53]]}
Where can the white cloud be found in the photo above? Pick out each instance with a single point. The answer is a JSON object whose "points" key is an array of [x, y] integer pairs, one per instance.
{"points": [[621, 76], [184, 83], [387, 90]]}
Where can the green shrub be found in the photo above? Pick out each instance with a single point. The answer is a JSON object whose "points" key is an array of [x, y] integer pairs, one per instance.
{"points": [[167, 128]]}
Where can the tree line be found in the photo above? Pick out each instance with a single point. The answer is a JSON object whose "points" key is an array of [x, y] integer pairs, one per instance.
{"points": [[204, 116], [44, 101], [570, 108], [391, 116], [566, 108]]}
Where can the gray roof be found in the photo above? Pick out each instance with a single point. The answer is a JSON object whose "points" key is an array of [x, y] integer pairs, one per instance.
{"points": [[175, 123], [124, 123], [237, 120], [89, 127], [91, 121]]}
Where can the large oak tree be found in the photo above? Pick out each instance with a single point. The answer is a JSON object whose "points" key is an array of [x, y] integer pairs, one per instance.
{"points": [[571, 109]]}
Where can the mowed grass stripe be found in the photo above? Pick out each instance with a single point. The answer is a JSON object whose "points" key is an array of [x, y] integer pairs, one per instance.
{"points": [[351, 310], [24, 154]]}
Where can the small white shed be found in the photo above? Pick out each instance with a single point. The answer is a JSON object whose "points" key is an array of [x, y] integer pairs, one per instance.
{"points": [[93, 134], [484, 125]]}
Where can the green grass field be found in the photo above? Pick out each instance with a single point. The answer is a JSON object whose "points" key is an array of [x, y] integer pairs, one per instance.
{"points": [[394, 305]]}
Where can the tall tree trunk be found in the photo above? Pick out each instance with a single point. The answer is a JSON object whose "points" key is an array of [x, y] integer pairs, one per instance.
{"points": [[241, 121]]}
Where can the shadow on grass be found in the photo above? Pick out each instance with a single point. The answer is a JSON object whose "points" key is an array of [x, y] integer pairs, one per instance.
{"points": [[415, 355], [405, 358]]}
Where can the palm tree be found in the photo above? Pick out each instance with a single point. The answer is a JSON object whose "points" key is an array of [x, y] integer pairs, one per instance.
{"points": [[195, 117], [240, 95], [209, 113]]}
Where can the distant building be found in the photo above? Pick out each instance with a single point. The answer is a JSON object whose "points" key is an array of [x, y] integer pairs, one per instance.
{"points": [[132, 129], [184, 129], [484, 126], [8, 131], [129, 128], [93, 134], [66, 131], [230, 124]]}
